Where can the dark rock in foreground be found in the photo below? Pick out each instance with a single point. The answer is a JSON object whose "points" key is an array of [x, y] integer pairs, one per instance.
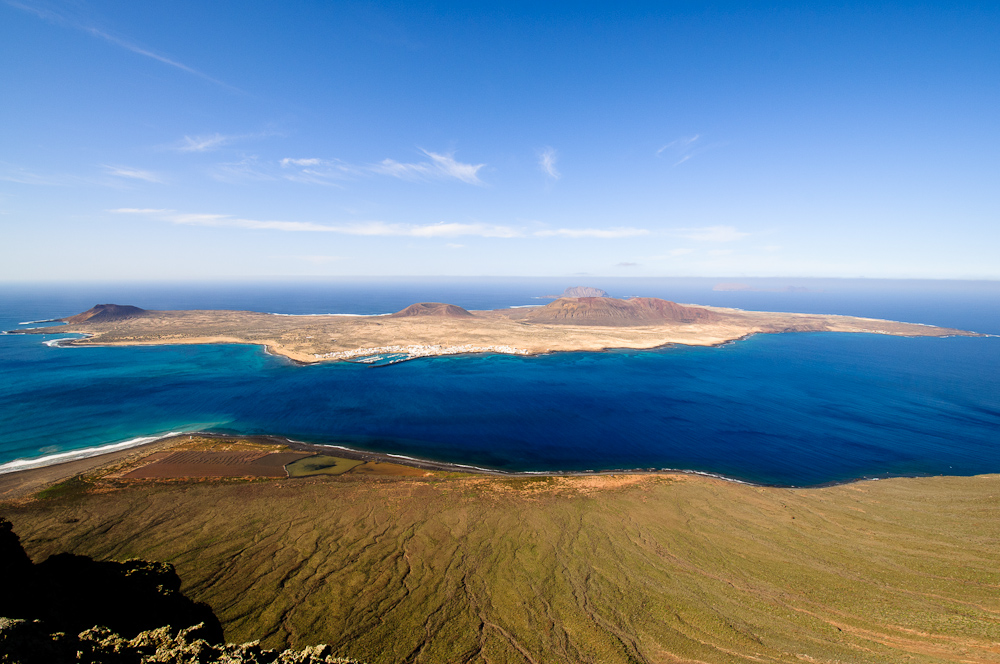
{"points": [[31, 642], [71, 593], [73, 609]]}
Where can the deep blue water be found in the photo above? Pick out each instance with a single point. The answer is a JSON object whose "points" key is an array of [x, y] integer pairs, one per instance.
{"points": [[795, 409]]}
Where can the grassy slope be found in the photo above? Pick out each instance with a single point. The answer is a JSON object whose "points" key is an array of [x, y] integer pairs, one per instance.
{"points": [[641, 568]]}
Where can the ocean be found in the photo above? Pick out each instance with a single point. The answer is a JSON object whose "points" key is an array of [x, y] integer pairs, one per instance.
{"points": [[788, 410]]}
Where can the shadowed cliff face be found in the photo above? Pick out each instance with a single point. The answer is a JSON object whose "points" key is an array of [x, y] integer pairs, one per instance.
{"points": [[15, 572], [75, 610], [71, 593], [613, 312]]}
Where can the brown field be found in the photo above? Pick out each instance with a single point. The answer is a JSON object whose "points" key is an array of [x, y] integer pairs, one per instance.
{"points": [[216, 464]]}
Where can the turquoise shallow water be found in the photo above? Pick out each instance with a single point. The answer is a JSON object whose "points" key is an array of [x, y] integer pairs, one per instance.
{"points": [[799, 409]]}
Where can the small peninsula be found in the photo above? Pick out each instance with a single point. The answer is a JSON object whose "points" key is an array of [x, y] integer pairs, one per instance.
{"points": [[433, 328]]}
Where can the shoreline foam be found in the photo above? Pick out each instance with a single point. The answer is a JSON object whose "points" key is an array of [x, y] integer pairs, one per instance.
{"points": [[36, 463], [32, 463]]}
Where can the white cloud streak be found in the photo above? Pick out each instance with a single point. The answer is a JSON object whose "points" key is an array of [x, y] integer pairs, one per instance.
{"points": [[605, 233], [375, 228], [22, 176], [547, 162], [287, 161], [441, 166], [682, 143], [133, 174], [313, 170], [712, 234], [59, 19], [365, 228], [686, 148], [203, 143]]}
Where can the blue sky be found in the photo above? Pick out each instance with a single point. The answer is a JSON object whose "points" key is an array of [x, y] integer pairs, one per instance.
{"points": [[178, 140]]}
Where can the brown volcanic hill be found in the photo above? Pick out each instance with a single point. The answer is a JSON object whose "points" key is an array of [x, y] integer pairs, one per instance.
{"points": [[619, 313], [438, 309], [106, 313]]}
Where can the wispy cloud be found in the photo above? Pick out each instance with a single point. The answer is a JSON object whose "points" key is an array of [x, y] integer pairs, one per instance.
{"points": [[65, 21], [712, 234], [375, 228], [605, 233], [626, 264], [456, 229], [247, 169], [311, 171], [314, 170], [287, 161], [547, 162], [446, 164], [440, 166], [680, 143], [216, 140], [364, 228], [133, 174], [23, 176], [685, 148], [205, 143], [201, 219]]}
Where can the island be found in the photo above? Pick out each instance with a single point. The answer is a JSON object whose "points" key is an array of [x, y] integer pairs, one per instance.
{"points": [[433, 328]]}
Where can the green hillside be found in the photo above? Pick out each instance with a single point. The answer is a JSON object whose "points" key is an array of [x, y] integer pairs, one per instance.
{"points": [[591, 569]]}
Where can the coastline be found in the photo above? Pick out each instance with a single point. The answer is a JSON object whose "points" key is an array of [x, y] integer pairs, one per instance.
{"points": [[23, 482], [41, 472]]}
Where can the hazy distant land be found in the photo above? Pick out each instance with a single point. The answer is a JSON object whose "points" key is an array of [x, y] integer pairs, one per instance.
{"points": [[432, 328]]}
